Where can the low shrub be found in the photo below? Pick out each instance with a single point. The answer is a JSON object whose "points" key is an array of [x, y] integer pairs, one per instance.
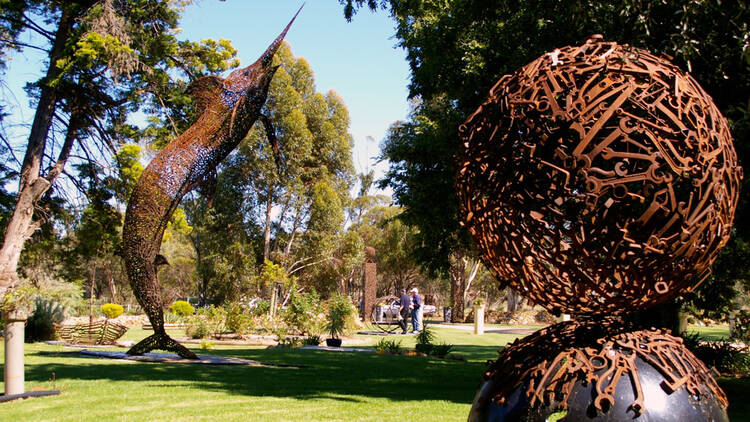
{"points": [[207, 345], [260, 307], [441, 350], [388, 345], [426, 336], [198, 328], [40, 324], [238, 320], [291, 342], [172, 318], [305, 313], [112, 310], [425, 348], [182, 308], [722, 355], [311, 340], [741, 330], [205, 322]]}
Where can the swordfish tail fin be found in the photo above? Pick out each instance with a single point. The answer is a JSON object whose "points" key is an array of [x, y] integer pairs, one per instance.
{"points": [[161, 341]]}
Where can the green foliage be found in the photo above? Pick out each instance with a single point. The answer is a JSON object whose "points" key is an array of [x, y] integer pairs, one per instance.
{"points": [[198, 328], [205, 322], [292, 342], [426, 336], [741, 330], [18, 299], [441, 350], [722, 355], [262, 307], [388, 345], [457, 50], [238, 319], [40, 324], [305, 313], [130, 169], [312, 340], [272, 273], [182, 308], [207, 345], [112, 310], [555, 417], [339, 312]]}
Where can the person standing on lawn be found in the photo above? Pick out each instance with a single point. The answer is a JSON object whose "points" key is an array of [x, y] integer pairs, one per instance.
{"points": [[416, 310], [403, 310]]}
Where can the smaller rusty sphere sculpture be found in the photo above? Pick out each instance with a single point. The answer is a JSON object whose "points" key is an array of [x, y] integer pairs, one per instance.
{"points": [[598, 178], [598, 370]]}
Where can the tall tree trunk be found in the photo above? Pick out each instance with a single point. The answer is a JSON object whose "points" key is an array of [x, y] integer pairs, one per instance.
{"points": [[458, 286], [203, 279], [267, 229], [513, 299], [32, 186], [462, 273], [92, 280], [111, 283]]}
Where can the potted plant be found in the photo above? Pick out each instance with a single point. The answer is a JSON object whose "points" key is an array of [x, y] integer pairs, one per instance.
{"points": [[340, 310]]}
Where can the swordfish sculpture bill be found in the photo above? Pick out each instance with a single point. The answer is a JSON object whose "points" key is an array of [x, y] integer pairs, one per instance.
{"points": [[227, 109]]}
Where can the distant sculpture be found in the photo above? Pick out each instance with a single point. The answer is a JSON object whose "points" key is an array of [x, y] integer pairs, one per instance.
{"points": [[597, 180], [228, 108], [370, 288]]}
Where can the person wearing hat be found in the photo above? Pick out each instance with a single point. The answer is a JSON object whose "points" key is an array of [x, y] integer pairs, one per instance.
{"points": [[416, 310], [403, 310]]}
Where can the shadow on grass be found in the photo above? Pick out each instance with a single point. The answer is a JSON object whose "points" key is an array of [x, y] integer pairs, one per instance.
{"points": [[333, 375]]}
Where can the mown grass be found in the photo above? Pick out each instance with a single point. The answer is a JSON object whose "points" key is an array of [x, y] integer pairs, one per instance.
{"points": [[330, 387], [712, 333]]}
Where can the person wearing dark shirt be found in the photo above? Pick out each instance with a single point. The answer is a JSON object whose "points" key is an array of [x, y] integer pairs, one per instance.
{"points": [[416, 310], [403, 310]]}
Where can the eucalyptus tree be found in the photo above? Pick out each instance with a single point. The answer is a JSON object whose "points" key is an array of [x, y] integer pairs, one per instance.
{"points": [[299, 193]]}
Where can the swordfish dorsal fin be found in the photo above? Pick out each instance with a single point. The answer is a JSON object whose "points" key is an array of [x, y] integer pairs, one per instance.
{"points": [[203, 90]]}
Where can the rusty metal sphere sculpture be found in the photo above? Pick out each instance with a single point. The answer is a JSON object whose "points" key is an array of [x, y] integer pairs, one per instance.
{"points": [[598, 178], [598, 370]]}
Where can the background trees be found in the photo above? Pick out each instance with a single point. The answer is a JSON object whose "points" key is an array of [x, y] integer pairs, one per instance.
{"points": [[105, 60], [458, 49]]}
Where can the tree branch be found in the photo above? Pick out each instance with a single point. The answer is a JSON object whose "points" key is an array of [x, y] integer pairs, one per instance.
{"points": [[62, 158], [22, 44]]}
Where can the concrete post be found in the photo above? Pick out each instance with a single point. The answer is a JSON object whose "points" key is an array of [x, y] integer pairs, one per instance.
{"points": [[479, 320], [13, 368]]}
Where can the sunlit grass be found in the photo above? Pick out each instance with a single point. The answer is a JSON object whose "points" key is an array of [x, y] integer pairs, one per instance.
{"points": [[330, 387]]}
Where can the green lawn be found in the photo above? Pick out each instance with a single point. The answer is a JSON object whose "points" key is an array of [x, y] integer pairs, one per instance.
{"points": [[713, 333], [333, 386]]}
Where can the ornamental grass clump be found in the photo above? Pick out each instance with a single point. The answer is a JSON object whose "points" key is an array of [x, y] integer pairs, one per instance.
{"points": [[424, 340], [388, 346], [40, 326]]}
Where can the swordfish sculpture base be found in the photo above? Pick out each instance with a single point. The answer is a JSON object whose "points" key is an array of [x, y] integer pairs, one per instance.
{"points": [[161, 341], [227, 109]]}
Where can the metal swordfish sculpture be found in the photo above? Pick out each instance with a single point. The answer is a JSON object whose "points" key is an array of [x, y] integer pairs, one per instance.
{"points": [[228, 108]]}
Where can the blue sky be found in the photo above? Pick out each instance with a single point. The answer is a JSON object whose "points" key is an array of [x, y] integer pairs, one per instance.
{"points": [[358, 60]]}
